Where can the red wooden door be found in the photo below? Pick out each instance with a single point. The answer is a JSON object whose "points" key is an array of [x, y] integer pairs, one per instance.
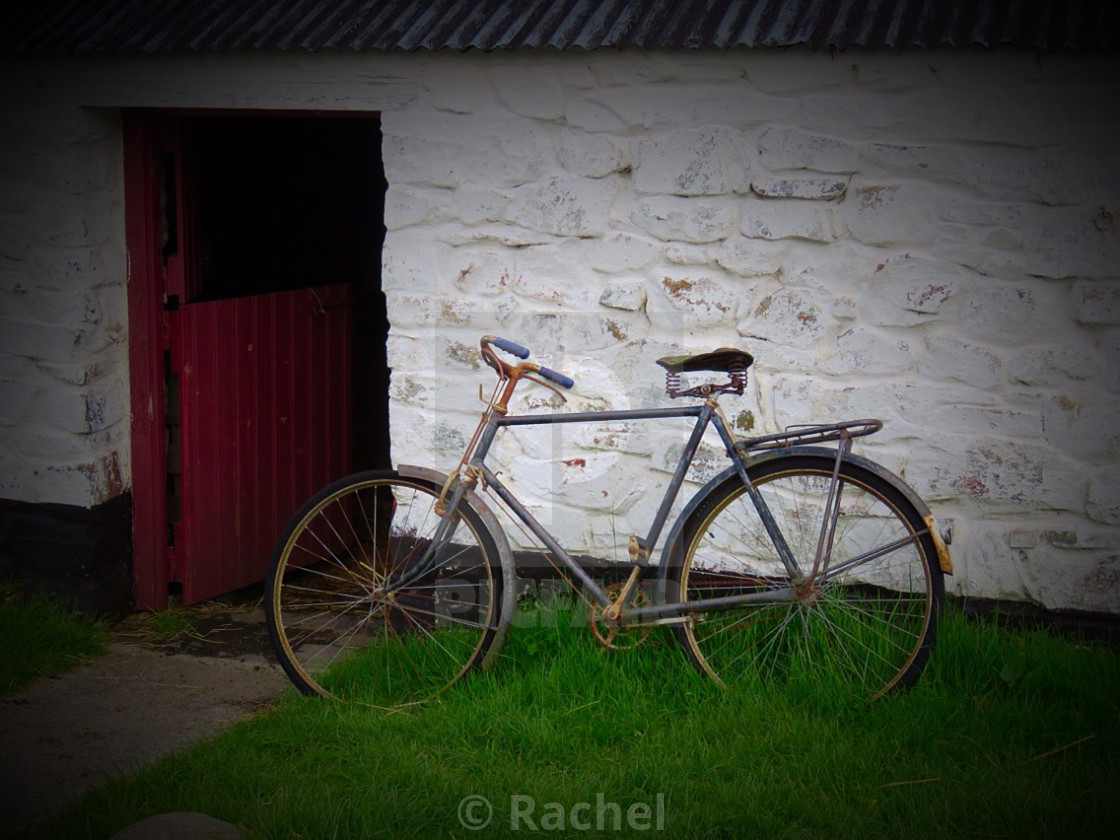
{"points": [[242, 375], [265, 408]]}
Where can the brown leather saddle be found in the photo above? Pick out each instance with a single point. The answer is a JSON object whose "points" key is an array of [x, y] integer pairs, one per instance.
{"points": [[723, 360]]}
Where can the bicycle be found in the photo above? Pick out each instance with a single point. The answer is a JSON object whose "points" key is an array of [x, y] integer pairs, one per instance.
{"points": [[797, 559]]}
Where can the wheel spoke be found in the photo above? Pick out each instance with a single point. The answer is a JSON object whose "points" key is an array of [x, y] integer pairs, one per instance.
{"points": [[337, 632], [865, 621]]}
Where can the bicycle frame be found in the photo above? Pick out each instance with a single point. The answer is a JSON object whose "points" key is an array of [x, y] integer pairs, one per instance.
{"points": [[707, 413]]}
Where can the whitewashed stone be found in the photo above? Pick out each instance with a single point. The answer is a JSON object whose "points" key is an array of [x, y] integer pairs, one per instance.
{"points": [[793, 185], [949, 358], [905, 291], [792, 317], [673, 218], [619, 253], [1097, 303], [750, 257], [1083, 423], [790, 149], [563, 206], [943, 163], [700, 299], [1056, 365], [865, 351], [1103, 501], [1010, 314], [889, 214], [593, 155], [789, 219], [702, 161], [629, 295], [529, 91]]}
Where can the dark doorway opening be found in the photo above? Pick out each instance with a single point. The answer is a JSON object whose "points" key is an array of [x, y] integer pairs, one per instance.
{"points": [[289, 202]]}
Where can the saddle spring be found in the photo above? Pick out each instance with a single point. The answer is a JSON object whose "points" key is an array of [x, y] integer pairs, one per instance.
{"points": [[736, 384]]}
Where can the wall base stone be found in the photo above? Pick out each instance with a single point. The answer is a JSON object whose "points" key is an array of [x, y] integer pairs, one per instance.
{"points": [[82, 555]]}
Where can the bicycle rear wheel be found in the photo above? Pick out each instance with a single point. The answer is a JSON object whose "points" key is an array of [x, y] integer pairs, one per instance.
{"points": [[340, 627], [863, 624]]}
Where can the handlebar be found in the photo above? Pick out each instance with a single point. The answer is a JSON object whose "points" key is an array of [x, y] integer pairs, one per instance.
{"points": [[510, 347], [515, 371]]}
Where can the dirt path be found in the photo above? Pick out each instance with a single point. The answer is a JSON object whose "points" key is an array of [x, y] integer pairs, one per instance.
{"points": [[142, 700]]}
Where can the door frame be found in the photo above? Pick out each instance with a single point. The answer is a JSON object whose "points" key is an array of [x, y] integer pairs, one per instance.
{"points": [[147, 328]]}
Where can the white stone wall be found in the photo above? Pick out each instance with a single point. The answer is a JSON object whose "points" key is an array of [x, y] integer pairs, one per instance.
{"points": [[64, 410], [929, 238]]}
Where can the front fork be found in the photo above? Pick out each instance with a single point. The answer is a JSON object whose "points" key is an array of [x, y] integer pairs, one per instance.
{"points": [[447, 509]]}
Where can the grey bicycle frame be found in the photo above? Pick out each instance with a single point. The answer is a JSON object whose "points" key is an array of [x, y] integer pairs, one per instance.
{"points": [[705, 414]]}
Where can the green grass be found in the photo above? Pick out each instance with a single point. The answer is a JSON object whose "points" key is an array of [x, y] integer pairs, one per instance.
{"points": [[1008, 734], [41, 637]]}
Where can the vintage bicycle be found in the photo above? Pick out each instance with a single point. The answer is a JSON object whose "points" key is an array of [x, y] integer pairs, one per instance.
{"points": [[800, 557]]}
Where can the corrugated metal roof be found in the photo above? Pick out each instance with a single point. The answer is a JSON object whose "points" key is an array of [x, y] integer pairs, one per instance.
{"points": [[158, 26]]}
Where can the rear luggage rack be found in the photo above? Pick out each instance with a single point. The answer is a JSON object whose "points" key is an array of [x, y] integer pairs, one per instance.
{"points": [[802, 435]]}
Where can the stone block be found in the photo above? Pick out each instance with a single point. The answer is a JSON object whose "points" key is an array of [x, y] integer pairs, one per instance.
{"points": [[411, 261], [530, 91], [592, 155], [794, 185], [564, 206], [78, 169], [1023, 538], [628, 295], [15, 399], [1036, 176], [1056, 365], [461, 92], [701, 161], [700, 299], [675, 218], [1103, 501], [47, 342], [859, 350], [785, 317], [789, 219], [1011, 314], [791, 149], [949, 358], [64, 220], [748, 257], [589, 114], [669, 104], [889, 214], [619, 253], [1082, 422], [1008, 475], [1097, 303], [944, 164], [407, 205], [903, 291]]}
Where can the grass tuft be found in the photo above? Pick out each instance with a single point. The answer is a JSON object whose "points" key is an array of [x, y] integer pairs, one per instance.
{"points": [[41, 637]]}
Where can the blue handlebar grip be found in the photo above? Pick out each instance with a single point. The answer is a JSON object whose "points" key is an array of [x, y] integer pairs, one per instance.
{"points": [[511, 347], [558, 378]]}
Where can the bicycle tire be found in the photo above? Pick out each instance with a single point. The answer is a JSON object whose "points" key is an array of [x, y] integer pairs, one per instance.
{"points": [[865, 629], [332, 631]]}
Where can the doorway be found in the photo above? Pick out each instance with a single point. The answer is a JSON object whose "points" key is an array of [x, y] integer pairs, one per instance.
{"points": [[257, 331]]}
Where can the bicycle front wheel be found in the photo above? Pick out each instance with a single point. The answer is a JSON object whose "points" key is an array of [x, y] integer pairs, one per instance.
{"points": [[860, 619], [347, 614]]}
